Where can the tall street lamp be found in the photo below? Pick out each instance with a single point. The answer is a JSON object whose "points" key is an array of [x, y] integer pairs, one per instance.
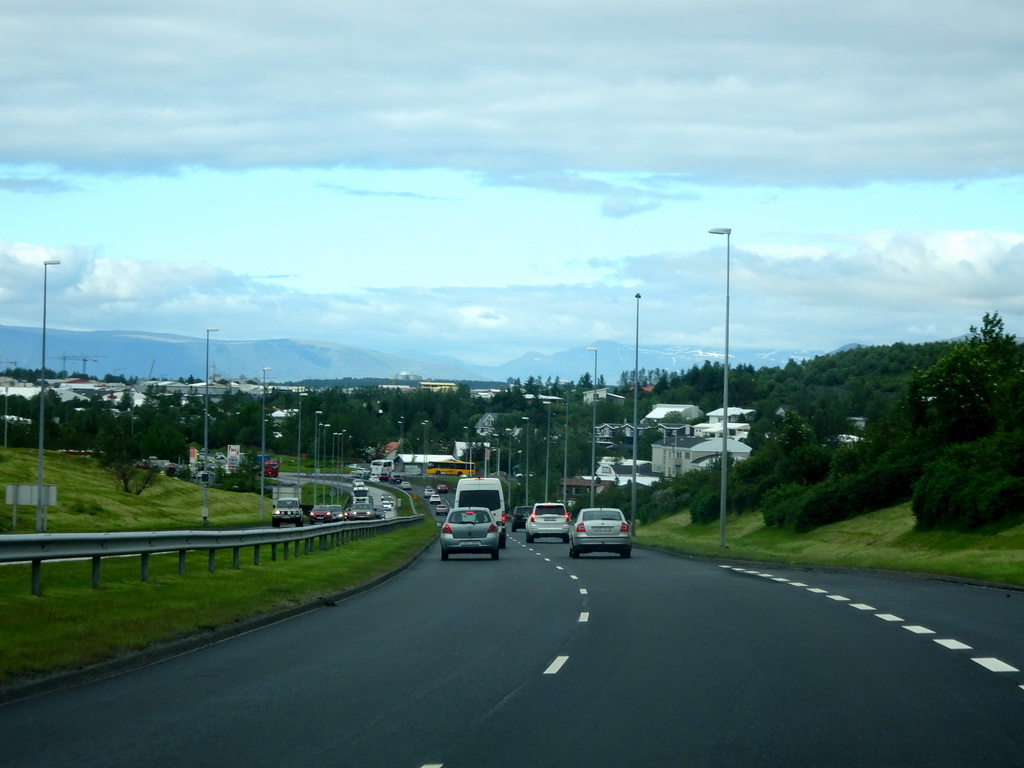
{"points": [[316, 453], [725, 391], [40, 504], [593, 428], [636, 411], [565, 454], [298, 449], [263, 443], [323, 449], [423, 469], [547, 454], [527, 472], [206, 431]]}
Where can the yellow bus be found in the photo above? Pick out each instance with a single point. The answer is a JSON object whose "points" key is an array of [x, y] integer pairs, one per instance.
{"points": [[452, 467]]}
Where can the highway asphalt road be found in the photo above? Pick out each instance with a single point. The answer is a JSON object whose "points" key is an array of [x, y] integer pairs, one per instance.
{"points": [[539, 660]]}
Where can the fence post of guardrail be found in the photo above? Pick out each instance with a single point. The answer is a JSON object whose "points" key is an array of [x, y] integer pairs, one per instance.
{"points": [[95, 571], [256, 555], [144, 567], [181, 562], [234, 558], [37, 567], [211, 559], [296, 548]]}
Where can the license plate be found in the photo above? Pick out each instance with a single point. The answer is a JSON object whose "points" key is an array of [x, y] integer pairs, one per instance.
{"points": [[469, 543], [601, 528]]}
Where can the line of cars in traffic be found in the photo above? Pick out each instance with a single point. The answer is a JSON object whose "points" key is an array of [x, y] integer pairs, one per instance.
{"points": [[476, 529]]}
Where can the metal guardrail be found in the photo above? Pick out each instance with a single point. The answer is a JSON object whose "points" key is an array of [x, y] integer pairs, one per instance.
{"points": [[38, 547]]}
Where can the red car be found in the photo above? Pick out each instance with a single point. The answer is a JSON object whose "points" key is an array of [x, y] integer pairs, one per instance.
{"points": [[442, 488]]}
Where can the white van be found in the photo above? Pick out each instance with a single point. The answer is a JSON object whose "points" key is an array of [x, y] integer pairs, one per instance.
{"points": [[483, 492]]}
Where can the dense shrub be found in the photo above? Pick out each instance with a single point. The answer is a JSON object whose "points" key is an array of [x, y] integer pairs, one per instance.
{"points": [[973, 485]]}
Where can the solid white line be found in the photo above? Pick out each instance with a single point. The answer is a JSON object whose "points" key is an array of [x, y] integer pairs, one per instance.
{"points": [[917, 630], [556, 665], [432, 765], [583, 590], [953, 645], [584, 617], [888, 617], [995, 665]]}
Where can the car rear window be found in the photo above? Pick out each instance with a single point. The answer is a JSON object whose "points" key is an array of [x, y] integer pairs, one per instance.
{"points": [[473, 516], [550, 509], [602, 514]]}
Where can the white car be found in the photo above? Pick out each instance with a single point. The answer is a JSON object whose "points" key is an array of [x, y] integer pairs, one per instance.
{"points": [[548, 518], [600, 529]]}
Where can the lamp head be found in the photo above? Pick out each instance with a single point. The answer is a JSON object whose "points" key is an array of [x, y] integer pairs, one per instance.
{"points": [[720, 231]]}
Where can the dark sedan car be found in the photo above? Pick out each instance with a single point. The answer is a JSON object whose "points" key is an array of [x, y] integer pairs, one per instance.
{"points": [[519, 517]]}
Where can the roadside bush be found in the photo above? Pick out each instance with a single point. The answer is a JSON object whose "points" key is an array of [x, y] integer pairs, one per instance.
{"points": [[783, 505], [706, 505], [973, 485]]}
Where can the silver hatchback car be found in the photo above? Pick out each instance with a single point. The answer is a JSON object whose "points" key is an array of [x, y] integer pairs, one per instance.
{"points": [[548, 518], [600, 529], [469, 530]]}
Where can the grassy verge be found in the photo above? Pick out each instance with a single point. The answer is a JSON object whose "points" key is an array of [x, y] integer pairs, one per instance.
{"points": [[885, 539], [71, 625]]}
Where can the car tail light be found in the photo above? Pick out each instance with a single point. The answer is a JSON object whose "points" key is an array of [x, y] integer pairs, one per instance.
{"points": [[493, 528], [624, 528], [581, 528], [447, 528], [567, 518], [533, 517]]}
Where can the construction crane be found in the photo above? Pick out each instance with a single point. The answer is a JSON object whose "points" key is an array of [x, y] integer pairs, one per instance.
{"points": [[83, 358]]}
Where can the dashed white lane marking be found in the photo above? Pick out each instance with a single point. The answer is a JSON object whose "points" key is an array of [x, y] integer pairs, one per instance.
{"points": [[995, 665], [559, 567], [556, 665], [988, 662], [583, 591], [584, 617], [432, 765], [577, 578], [918, 630]]}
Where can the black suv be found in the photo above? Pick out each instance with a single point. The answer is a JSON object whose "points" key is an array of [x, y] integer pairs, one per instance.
{"points": [[520, 516]]}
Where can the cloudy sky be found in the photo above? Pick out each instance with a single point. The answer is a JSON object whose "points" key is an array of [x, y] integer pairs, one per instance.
{"points": [[488, 179]]}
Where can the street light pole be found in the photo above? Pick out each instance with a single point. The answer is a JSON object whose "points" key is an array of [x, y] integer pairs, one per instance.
{"points": [[316, 453], [636, 411], [565, 453], [263, 443], [423, 468], [40, 502], [323, 449], [527, 420], [298, 450], [593, 429], [547, 454], [725, 392], [206, 431]]}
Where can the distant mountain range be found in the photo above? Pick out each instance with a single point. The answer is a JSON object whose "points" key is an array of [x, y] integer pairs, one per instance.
{"points": [[167, 356]]}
